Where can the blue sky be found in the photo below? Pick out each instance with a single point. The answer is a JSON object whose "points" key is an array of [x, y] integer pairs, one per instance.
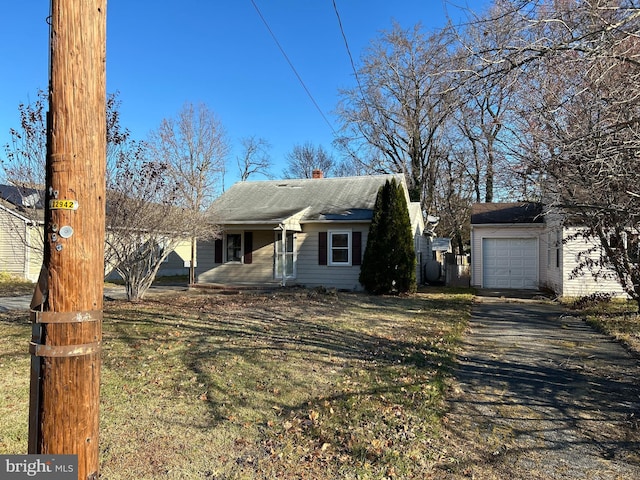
{"points": [[161, 54]]}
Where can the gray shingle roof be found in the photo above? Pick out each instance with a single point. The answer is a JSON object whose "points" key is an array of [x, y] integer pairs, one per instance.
{"points": [[322, 199], [22, 196], [522, 212]]}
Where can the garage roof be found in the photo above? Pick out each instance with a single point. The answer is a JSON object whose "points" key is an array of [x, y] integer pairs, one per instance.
{"points": [[519, 212]]}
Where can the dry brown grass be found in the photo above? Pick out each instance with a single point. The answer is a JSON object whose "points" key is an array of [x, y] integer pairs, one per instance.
{"points": [[293, 384], [617, 318], [11, 285]]}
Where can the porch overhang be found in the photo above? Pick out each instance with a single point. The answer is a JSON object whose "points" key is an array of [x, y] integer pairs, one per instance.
{"points": [[292, 222], [289, 222]]}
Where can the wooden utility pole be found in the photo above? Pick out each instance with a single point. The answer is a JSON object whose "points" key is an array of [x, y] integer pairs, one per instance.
{"points": [[66, 309]]}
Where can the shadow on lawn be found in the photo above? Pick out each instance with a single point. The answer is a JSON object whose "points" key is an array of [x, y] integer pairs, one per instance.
{"points": [[274, 338]]}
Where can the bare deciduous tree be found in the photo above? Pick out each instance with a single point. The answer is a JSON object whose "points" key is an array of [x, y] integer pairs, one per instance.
{"points": [[143, 223], [580, 119], [486, 102], [24, 164], [194, 148], [255, 159], [25, 155], [400, 105], [304, 159]]}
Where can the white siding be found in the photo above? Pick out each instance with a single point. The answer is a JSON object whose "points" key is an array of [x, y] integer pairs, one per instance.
{"points": [[551, 250], [584, 284], [20, 247], [506, 231], [35, 253], [260, 270], [311, 274]]}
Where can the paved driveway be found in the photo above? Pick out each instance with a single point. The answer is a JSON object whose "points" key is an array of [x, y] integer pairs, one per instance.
{"points": [[21, 302], [540, 395]]}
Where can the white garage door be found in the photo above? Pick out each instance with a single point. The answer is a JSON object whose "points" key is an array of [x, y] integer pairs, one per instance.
{"points": [[510, 263]]}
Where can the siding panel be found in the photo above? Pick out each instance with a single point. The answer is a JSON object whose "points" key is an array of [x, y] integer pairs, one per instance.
{"points": [[584, 284], [20, 247], [260, 270], [311, 274]]}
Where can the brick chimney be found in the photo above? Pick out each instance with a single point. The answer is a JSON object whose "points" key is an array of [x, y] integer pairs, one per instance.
{"points": [[317, 173]]}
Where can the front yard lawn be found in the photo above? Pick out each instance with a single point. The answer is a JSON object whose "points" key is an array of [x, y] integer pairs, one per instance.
{"points": [[289, 384]]}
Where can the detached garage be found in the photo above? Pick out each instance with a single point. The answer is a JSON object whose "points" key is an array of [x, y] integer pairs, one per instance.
{"points": [[505, 245]]}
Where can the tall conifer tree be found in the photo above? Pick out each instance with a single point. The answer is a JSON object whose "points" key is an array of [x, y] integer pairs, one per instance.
{"points": [[389, 261]]}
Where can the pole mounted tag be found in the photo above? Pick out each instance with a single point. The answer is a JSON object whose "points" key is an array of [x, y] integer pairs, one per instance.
{"points": [[40, 350], [66, 317], [63, 204]]}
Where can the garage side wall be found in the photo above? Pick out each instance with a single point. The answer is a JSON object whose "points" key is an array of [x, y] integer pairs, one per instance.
{"points": [[506, 231], [585, 283]]}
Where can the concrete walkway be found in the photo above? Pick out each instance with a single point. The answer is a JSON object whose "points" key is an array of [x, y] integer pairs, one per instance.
{"points": [[541, 395]]}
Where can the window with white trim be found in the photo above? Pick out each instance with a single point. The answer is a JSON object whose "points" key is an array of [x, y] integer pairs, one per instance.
{"points": [[340, 247]]}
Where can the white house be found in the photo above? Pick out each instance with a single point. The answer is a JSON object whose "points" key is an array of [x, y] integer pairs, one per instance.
{"points": [[20, 234], [309, 232]]}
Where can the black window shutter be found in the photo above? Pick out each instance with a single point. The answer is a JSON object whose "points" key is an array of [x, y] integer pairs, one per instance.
{"points": [[356, 248], [217, 251], [248, 247], [322, 248]]}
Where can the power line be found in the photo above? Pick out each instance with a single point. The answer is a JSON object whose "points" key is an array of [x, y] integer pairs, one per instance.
{"points": [[275, 39], [355, 72], [346, 44]]}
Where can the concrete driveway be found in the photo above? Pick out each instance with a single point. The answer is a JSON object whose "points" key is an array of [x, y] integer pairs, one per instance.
{"points": [[540, 395]]}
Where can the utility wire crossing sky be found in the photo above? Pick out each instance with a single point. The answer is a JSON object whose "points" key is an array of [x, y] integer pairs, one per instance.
{"points": [[270, 69]]}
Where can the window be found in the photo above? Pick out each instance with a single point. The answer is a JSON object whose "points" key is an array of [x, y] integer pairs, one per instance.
{"points": [[234, 247], [340, 248], [626, 244], [633, 247]]}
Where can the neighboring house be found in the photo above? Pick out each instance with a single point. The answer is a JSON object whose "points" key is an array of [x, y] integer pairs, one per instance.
{"points": [[310, 232], [440, 247], [176, 264], [20, 236], [515, 245], [21, 248]]}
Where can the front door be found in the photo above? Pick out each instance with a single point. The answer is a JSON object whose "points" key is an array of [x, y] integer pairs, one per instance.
{"points": [[285, 256]]}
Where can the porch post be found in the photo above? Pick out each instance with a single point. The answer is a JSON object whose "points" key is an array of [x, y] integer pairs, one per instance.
{"points": [[283, 255]]}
